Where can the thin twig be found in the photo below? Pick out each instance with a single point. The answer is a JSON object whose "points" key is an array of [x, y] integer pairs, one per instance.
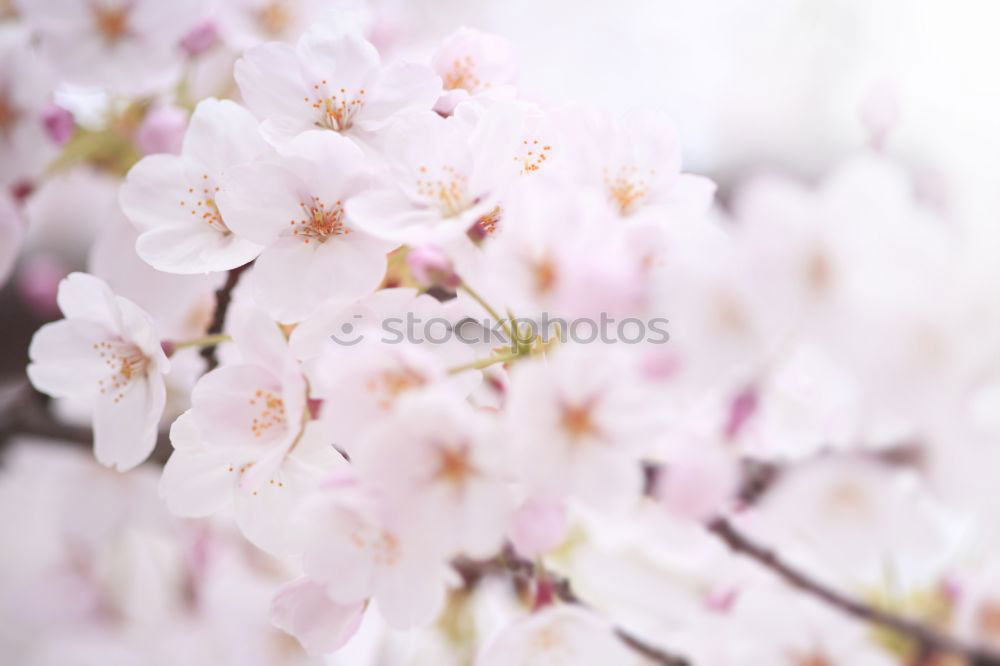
{"points": [[927, 639], [522, 571], [223, 297]]}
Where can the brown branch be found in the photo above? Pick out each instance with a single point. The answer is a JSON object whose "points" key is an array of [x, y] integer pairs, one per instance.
{"points": [[223, 297], [523, 571], [24, 412], [927, 639]]}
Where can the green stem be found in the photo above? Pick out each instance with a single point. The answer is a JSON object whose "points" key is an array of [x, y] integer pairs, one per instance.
{"points": [[204, 341], [486, 306], [485, 362]]}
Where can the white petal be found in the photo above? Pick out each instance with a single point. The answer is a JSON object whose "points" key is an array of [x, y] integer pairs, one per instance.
{"points": [[83, 296], [222, 134], [195, 481], [64, 361], [227, 406], [400, 86], [194, 248], [303, 609], [151, 194], [125, 423]]}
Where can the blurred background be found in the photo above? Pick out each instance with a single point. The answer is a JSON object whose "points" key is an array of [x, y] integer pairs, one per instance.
{"points": [[787, 86]]}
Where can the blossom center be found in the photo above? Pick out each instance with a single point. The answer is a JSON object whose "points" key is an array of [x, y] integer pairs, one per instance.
{"points": [[532, 155], [274, 18], [111, 22], [125, 361], [447, 193], [270, 414], [319, 222], [337, 109], [626, 189], [205, 207], [577, 420], [462, 76], [390, 384], [454, 465]]}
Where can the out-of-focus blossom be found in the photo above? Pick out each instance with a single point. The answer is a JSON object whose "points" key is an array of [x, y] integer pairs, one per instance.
{"points": [[294, 207], [578, 423], [303, 609], [362, 360], [559, 635], [435, 462], [162, 130], [129, 46], [25, 94], [360, 549], [472, 63], [58, 123], [106, 349], [200, 38], [247, 23], [171, 198], [330, 83], [635, 163], [539, 524]]}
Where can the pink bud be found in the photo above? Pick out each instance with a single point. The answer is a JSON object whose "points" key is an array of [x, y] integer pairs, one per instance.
{"points": [[700, 482], [200, 38], [162, 130], [58, 123], [744, 406], [38, 283], [538, 525], [431, 267]]}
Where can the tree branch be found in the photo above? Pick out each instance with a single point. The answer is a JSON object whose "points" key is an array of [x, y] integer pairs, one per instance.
{"points": [[223, 297], [927, 639], [523, 571]]}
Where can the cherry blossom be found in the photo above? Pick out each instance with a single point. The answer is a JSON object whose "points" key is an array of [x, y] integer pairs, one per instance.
{"points": [[129, 46], [303, 609], [330, 82], [247, 441], [446, 472], [579, 422], [172, 198], [557, 635], [472, 63], [362, 549], [25, 93], [295, 208], [446, 173], [106, 350]]}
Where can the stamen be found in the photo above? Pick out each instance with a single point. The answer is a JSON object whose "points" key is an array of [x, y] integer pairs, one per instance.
{"points": [[126, 363], [319, 222], [204, 207], [111, 22], [337, 109], [271, 415], [447, 192], [626, 189]]}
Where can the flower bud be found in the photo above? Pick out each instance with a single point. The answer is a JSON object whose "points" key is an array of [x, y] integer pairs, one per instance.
{"points": [[431, 267], [162, 130], [58, 123]]}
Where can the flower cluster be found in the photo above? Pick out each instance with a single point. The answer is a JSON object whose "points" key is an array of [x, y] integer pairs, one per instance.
{"points": [[829, 379]]}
